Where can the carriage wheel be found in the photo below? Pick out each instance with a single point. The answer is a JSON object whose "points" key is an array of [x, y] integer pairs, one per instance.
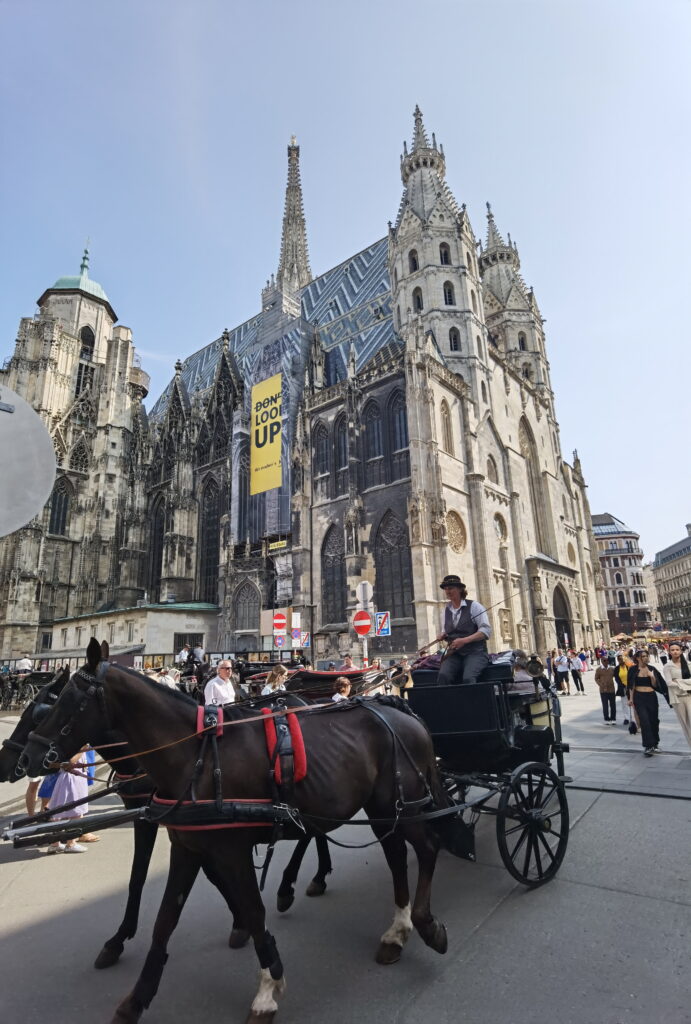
{"points": [[533, 824], [25, 696]]}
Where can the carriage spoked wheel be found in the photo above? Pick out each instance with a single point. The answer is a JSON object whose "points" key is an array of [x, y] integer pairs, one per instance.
{"points": [[533, 824]]}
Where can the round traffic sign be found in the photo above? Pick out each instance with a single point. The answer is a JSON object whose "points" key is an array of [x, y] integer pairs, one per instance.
{"points": [[279, 641], [362, 623], [279, 622]]}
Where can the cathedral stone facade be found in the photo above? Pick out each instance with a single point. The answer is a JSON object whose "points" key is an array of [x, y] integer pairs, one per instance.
{"points": [[419, 438]]}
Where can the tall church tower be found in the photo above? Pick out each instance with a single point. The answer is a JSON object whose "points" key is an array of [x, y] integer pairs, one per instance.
{"points": [[434, 271]]}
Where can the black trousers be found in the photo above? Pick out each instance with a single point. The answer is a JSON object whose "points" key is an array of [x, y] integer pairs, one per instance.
{"points": [[609, 706], [462, 668], [649, 716], [561, 678], [577, 677]]}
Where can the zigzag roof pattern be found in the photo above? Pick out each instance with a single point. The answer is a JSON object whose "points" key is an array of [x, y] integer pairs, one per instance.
{"points": [[350, 304]]}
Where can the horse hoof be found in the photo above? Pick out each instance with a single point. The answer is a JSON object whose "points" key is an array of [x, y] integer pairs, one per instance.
{"points": [[315, 888], [238, 938], [108, 956], [284, 901], [128, 1012], [260, 1018], [434, 935], [388, 953]]}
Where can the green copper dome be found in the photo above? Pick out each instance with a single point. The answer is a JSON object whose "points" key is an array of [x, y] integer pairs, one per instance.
{"points": [[83, 282]]}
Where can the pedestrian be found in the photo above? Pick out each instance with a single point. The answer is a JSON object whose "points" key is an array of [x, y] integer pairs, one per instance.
{"points": [[576, 669], [621, 675], [678, 676], [643, 685], [561, 672], [275, 681], [183, 655], [341, 689], [604, 680], [72, 783], [549, 658], [583, 656], [347, 664], [466, 628], [663, 654]]}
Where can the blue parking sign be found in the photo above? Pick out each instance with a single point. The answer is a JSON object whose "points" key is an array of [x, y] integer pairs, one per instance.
{"points": [[382, 623]]}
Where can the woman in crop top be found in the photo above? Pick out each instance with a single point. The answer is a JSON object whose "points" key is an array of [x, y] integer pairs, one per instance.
{"points": [[643, 685]]}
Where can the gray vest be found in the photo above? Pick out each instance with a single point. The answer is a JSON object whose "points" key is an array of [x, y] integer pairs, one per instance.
{"points": [[464, 627]]}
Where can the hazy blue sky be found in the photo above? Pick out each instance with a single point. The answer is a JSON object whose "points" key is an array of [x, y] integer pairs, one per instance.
{"points": [[158, 128]]}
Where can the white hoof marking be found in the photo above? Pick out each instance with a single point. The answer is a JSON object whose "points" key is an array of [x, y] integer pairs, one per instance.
{"points": [[401, 927], [264, 1001]]}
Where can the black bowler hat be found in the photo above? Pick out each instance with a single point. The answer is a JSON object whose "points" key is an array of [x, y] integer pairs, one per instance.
{"points": [[451, 581]]}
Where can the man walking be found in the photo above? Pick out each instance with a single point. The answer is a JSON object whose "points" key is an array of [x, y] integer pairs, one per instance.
{"points": [[604, 680], [466, 627]]}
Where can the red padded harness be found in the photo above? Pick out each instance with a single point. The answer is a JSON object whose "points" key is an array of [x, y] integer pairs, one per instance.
{"points": [[299, 753]]}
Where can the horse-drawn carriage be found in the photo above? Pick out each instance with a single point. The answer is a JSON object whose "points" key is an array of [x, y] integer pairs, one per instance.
{"points": [[497, 739], [19, 689]]}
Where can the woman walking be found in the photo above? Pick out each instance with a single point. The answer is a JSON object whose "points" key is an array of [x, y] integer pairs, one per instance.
{"points": [[678, 676], [621, 675], [643, 685]]}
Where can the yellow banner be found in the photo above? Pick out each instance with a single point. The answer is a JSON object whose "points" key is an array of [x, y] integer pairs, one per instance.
{"points": [[265, 436]]}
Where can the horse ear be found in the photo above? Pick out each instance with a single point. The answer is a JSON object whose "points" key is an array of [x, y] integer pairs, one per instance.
{"points": [[93, 653], [105, 650]]}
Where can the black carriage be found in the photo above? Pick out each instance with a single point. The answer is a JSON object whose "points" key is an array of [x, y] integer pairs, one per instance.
{"points": [[495, 742], [19, 689]]}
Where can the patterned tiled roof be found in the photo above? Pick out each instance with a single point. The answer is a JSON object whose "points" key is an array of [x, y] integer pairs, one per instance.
{"points": [[351, 304]]}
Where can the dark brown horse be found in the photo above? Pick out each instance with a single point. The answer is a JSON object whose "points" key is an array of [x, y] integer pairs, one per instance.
{"points": [[135, 791], [381, 760]]}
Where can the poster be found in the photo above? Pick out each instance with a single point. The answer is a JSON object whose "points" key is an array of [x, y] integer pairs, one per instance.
{"points": [[265, 435]]}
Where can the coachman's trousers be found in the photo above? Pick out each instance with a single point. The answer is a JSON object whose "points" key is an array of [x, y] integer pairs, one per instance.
{"points": [[462, 668]]}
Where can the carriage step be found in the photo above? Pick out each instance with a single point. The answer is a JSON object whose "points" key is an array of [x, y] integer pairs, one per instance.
{"points": [[565, 778]]}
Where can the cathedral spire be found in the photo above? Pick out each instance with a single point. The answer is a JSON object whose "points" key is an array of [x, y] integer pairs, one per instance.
{"points": [[84, 266], [422, 155], [494, 238], [294, 265], [420, 140]]}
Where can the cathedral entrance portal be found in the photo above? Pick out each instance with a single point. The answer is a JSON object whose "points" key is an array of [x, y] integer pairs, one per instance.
{"points": [[562, 618]]}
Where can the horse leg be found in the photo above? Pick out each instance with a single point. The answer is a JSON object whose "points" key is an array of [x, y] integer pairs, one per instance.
{"points": [[286, 890], [317, 886], [396, 935], [238, 863], [183, 870], [239, 936], [144, 840], [425, 842]]}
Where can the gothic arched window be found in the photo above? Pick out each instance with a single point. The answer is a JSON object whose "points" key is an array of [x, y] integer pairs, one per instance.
{"points": [[483, 390], [621, 599], [209, 542], [413, 263], [469, 260], [79, 457], [243, 493], [473, 301], [454, 340], [446, 432], [246, 607], [59, 508], [521, 342], [444, 255], [393, 587], [478, 342], [617, 578], [320, 461], [158, 529], [204, 446], [492, 474], [373, 446], [398, 432], [87, 341], [418, 304], [220, 437], [449, 294], [341, 454], [333, 577]]}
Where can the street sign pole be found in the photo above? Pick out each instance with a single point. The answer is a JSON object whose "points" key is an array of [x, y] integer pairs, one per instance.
{"points": [[365, 662]]}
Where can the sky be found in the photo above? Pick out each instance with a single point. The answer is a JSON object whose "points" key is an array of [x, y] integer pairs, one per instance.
{"points": [[158, 129]]}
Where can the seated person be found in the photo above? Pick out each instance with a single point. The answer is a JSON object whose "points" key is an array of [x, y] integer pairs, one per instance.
{"points": [[341, 689], [466, 627]]}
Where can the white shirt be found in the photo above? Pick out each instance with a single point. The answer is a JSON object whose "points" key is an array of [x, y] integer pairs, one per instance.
{"points": [[219, 691], [268, 688], [182, 657], [339, 696], [561, 663], [478, 615], [24, 665], [167, 680]]}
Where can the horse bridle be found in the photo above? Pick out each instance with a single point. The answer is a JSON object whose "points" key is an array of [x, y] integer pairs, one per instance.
{"points": [[76, 700]]}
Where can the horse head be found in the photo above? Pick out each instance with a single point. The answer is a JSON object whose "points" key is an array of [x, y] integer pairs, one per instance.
{"points": [[37, 709], [76, 718]]}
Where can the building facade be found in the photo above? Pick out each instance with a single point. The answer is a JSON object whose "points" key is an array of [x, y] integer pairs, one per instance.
{"points": [[672, 573], [621, 566], [419, 438]]}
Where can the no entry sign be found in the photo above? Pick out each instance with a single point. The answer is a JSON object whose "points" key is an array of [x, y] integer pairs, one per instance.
{"points": [[279, 622], [362, 623]]}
